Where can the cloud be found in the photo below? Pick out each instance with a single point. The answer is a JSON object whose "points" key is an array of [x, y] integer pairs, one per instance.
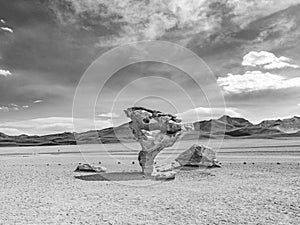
{"points": [[42, 126], [247, 11], [12, 107], [11, 131], [2, 21], [7, 29], [8, 108], [134, 20], [5, 73], [108, 115], [267, 60], [4, 109], [15, 107], [256, 81], [201, 113], [153, 20], [38, 101]]}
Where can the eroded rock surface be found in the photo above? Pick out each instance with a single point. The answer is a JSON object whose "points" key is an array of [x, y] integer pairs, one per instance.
{"points": [[155, 131]]}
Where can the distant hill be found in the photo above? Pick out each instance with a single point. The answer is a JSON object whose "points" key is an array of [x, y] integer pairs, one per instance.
{"points": [[230, 127], [240, 127], [221, 125], [291, 125]]}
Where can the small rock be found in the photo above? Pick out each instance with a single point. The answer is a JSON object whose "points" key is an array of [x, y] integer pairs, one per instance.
{"points": [[245, 163], [278, 163]]}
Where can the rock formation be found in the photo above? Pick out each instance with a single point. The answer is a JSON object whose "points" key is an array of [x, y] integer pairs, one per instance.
{"points": [[155, 131]]}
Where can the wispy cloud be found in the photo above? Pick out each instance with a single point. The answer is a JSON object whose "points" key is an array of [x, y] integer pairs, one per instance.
{"points": [[7, 29], [38, 101], [12, 107], [4, 109], [5, 73], [109, 115], [267, 60], [2, 21], [49, 125], [256, 81], [201, 113]]}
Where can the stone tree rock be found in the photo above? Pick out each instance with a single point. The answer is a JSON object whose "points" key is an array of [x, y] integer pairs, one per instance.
{"points": [[155, 131]]}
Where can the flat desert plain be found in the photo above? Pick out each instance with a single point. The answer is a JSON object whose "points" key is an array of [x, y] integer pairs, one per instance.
{"points": [[258, 183]]}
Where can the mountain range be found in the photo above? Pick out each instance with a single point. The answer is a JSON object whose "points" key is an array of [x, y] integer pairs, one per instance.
{"points": [[225, 126]]}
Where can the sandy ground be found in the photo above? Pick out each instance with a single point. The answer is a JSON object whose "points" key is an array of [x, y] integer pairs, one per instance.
{"points": [[32, 192], [37, 186]]}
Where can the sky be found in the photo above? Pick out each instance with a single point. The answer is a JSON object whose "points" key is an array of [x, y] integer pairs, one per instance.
{"points": [[250, 51]]}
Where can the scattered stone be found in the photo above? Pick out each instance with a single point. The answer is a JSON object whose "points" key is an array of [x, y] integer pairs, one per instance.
{"points": [[169, 175], [245, 163], [119, 162], [133, 162], [89, 168], [278, 163]]}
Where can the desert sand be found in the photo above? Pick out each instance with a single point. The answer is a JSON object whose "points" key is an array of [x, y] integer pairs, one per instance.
{"points": [[258, 183]]}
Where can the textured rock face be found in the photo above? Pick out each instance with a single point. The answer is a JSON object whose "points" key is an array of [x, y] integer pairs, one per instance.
{"points": [[154, 131]]}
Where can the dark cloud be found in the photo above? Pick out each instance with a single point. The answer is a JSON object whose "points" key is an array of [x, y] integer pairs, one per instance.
{"points": [[41, 44]]}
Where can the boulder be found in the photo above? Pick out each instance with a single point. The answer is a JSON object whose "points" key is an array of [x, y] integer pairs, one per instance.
{"points": [[198, 155]]}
